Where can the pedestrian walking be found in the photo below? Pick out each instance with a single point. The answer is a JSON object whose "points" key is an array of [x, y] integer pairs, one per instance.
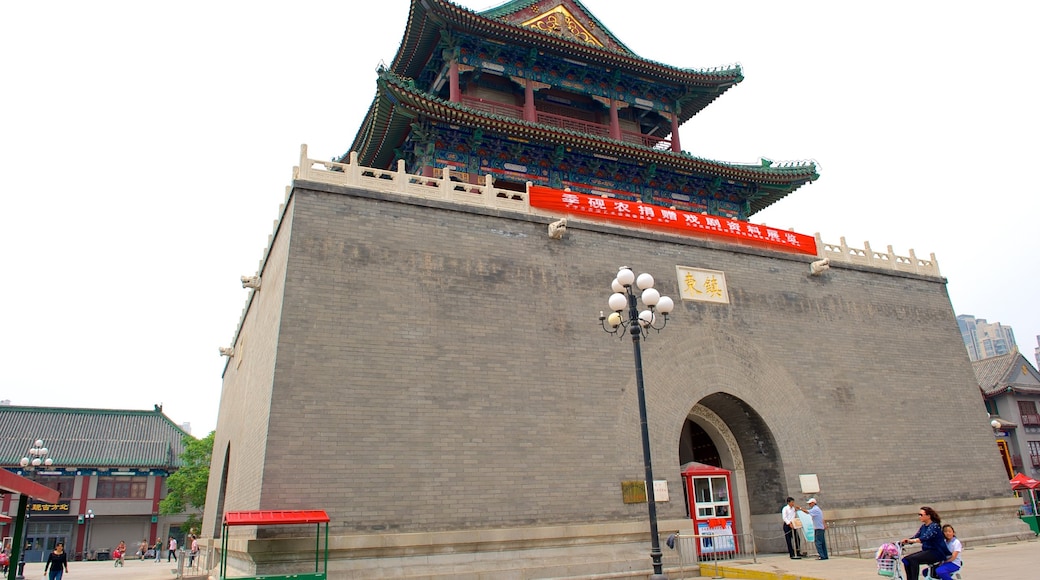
{"points": [[119, 554], [172, 554], [57, 563]]}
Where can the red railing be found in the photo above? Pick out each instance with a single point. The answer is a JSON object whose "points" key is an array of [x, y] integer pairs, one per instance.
{"points": [[573, 124], [1031, 420], [563, 122], [1035, 459], [493, 108]]}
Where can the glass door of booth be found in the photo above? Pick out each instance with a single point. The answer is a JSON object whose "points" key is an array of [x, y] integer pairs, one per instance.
{"points": [[713, 514]]}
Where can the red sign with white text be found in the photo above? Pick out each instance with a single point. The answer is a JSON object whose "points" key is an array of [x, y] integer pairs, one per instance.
{"points": [[672, 220]]}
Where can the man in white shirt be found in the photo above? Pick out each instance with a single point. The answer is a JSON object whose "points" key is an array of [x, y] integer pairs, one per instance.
{"points": [[790, 515]]}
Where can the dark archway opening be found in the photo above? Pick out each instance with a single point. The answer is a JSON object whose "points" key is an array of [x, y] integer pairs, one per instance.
{"points": [[696, 445]]}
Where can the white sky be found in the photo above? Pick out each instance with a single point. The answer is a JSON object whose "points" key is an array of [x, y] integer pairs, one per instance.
{"points": [[145, 148]]}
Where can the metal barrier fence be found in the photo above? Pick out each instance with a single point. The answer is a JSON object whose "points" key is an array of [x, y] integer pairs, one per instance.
{"points": [[692, 550], [843, 539]]}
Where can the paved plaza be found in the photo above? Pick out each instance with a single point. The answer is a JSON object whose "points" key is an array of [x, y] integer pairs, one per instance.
{"points": [[132, 570], [1011, 560]]}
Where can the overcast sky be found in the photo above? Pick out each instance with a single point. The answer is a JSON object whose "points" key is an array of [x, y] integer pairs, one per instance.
{"points": [[145, 148]]}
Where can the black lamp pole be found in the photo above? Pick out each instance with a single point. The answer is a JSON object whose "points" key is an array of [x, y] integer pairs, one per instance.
{"points": [[638, 324], [651, 502], [37, 458]]}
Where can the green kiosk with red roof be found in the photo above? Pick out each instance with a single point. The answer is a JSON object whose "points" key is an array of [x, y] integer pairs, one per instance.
{"points": [[280, 518]]}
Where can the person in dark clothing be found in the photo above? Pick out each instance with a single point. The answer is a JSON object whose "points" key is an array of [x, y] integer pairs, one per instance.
{"points": [[933, 543], [57, 563]]}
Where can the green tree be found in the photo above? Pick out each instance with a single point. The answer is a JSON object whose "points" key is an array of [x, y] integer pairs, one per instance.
{"points": [[186, 487]]}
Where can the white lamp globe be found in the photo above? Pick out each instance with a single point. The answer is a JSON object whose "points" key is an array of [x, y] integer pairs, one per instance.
{"points": [[646, 318], [616, 286], [48, 462], [617, 302], [625, 277], [39, 443], [36, 462], [665, 305], [614, 320], [645, 281], [24, 462], [651, 296], [995, 424]]}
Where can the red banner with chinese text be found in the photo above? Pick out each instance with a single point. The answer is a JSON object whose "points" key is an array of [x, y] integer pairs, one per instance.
{"points": [[672, 220]]}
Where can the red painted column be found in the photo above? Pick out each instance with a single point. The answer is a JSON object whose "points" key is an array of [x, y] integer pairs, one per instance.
{"points": [[675, 133], [530, 113], [615, 124], [84, 495], [454, 92], [154, 529]]}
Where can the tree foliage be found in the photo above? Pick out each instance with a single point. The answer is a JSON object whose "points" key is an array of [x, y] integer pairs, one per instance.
{"points": [[186, 487]]}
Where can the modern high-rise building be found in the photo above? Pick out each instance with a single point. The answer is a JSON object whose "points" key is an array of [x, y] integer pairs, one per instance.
{"points": [[985, 339]]}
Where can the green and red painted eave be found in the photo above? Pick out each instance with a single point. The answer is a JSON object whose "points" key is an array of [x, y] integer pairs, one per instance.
{"points": [[398, 104], [427, 18]]}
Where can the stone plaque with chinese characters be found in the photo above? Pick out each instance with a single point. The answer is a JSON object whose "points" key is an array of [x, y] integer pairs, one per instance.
{"points": [[701, 285]]}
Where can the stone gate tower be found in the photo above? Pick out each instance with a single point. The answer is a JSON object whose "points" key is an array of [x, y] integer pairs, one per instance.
{"points": [[429, 348]]}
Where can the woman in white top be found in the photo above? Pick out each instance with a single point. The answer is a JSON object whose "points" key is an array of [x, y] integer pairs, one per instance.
{"points": [[952, 564]]}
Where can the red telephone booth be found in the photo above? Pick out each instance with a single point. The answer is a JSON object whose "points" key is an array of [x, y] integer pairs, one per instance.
{"points": [[708, 494]]}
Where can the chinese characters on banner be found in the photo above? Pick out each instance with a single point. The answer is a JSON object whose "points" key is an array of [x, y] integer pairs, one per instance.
{"points": [[672, 220], [702, 285]]}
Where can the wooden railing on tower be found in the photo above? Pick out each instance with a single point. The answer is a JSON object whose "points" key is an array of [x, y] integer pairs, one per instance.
{"points": [[564, 122]]}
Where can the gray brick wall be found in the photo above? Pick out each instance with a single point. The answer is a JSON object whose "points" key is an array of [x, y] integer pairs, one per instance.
{"points": [[442, 368], [246, 397]]}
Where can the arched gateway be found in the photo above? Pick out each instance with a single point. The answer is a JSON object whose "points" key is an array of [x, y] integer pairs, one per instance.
{"points": [[420, 355]]}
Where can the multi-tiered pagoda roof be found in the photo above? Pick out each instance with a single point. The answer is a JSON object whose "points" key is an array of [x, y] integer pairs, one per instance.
{"points": [[540, 91]]}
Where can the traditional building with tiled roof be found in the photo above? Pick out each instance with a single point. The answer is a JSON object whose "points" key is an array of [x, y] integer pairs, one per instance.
{"points": [[109, 465], [1010, 387]]}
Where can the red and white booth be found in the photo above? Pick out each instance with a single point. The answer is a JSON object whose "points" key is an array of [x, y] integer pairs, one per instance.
{"points": [[708, 495]]}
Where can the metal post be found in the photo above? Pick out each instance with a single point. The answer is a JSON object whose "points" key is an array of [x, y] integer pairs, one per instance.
{"points": [[655, 541]]}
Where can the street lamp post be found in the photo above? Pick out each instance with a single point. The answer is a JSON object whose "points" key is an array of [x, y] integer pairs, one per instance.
{"points": [[638, 324], [37, 457], [88, 517]]}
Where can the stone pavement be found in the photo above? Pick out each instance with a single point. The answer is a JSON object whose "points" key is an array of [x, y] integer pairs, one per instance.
{"points": [[1011, 560], [133, 570]]}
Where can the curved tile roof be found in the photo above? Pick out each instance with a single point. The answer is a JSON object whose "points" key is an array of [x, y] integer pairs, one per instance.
{"points": [[1010, 372], [398, 103], [91, 437], [504, 11], [427, 18]]}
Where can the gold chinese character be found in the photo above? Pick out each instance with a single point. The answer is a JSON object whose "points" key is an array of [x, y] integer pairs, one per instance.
{"points": [[691, 283], [711, 284]]}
